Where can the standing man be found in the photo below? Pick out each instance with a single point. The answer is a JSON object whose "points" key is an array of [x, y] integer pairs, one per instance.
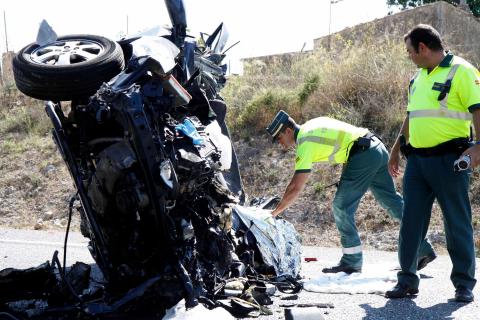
{"points": [[365, 161], [443, 95]]}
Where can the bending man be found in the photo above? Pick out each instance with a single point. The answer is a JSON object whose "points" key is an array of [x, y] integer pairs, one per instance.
{"points": [[365, 166]]}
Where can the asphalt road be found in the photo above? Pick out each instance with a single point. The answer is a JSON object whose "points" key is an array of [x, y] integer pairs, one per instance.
{"points": [[23, 249]]}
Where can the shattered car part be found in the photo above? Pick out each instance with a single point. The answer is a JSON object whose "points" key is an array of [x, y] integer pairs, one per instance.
{"points": [[25, 284], [148, 149]]}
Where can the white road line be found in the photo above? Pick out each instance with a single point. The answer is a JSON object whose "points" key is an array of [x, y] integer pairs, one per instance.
{"points": [[46, 243]]}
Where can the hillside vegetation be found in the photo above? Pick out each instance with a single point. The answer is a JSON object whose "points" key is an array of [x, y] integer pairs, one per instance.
{"points": [[365, 86]]}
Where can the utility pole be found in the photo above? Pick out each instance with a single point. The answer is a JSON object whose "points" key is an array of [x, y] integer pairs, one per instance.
{"points": [[6, 36], [127, 26], [330, 22]]}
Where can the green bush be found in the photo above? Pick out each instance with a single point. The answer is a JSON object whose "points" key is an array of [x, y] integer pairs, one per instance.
{"points": [[311, 84]]}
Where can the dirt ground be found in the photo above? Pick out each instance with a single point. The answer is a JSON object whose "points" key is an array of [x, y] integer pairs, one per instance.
{"points": [[35, 188]]}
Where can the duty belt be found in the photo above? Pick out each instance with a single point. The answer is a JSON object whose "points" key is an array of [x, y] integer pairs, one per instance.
{"points": [[361, 144], [456, 146]]}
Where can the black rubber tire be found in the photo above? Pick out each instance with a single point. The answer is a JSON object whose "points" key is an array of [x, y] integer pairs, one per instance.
{"points": [[77, 80]]}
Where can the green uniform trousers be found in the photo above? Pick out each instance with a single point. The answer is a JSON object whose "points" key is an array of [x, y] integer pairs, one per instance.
{"points": [[364, 170], [427, 179]]}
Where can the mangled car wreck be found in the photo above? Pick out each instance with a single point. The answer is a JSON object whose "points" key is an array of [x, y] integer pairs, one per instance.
{"points": [[145, 141]]}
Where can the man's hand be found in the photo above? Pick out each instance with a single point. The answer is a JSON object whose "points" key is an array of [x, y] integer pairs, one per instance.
{"points": [[393, 164], [474, 153], [276, 213], [394, 159]]}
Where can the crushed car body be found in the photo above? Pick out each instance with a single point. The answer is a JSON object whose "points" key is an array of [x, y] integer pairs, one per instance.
{"points": [[157, 178]]}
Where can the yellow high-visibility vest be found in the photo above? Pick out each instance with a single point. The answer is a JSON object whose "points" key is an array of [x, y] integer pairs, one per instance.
{"points": [[325, 140], [433, 121]]}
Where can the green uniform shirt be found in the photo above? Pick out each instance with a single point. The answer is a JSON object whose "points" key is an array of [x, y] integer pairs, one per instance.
{"points": [[432, 122], [324, 140]]}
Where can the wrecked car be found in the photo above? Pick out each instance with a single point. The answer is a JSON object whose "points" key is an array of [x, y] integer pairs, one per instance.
{"points": [[145, 141]]}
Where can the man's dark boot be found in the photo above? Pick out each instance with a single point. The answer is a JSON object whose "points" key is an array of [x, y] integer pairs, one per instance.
{"points": [[401, 291], [423, 261], [463, 294], [342, 268]]}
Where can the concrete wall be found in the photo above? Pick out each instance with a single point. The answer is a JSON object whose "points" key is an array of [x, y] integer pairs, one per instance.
{"points": [[282, 58], [459, 29]]}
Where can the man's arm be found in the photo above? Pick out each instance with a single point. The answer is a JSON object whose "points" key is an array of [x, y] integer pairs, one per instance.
{"points": [[474, 151], [294, 188], [394, 160]]}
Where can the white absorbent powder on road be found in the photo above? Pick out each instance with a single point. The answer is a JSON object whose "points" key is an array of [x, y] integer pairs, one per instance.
{"points": [[374, 278]]}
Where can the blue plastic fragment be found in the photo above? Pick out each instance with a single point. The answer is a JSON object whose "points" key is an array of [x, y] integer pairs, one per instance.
{"points": [[190, 131]]}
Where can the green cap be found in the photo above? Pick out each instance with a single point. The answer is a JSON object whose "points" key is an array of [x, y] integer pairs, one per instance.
{"points": [[278, 124]]}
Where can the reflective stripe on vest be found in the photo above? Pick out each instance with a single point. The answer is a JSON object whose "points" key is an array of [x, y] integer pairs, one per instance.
{"points": [[335, 143], [440, 113], [319, 140], [443, 111], [352, 250], [336, 147], [451, 74]]}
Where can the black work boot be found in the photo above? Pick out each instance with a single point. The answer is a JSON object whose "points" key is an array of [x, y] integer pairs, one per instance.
{"points": [[401, 291], [342, 268], [423, 261], [463, 294]]}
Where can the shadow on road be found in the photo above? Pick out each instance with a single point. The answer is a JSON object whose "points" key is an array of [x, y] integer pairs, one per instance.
{"points": [[406, 308]]}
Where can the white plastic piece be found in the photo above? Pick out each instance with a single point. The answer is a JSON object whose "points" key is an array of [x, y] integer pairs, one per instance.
{"points": [[223, 142]]}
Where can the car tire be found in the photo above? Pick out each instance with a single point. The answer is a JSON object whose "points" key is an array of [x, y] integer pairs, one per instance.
{"points": [[73, 67]]}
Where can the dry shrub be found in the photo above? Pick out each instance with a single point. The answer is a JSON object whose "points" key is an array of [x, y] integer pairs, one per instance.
{"points": [[24, 120]]}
